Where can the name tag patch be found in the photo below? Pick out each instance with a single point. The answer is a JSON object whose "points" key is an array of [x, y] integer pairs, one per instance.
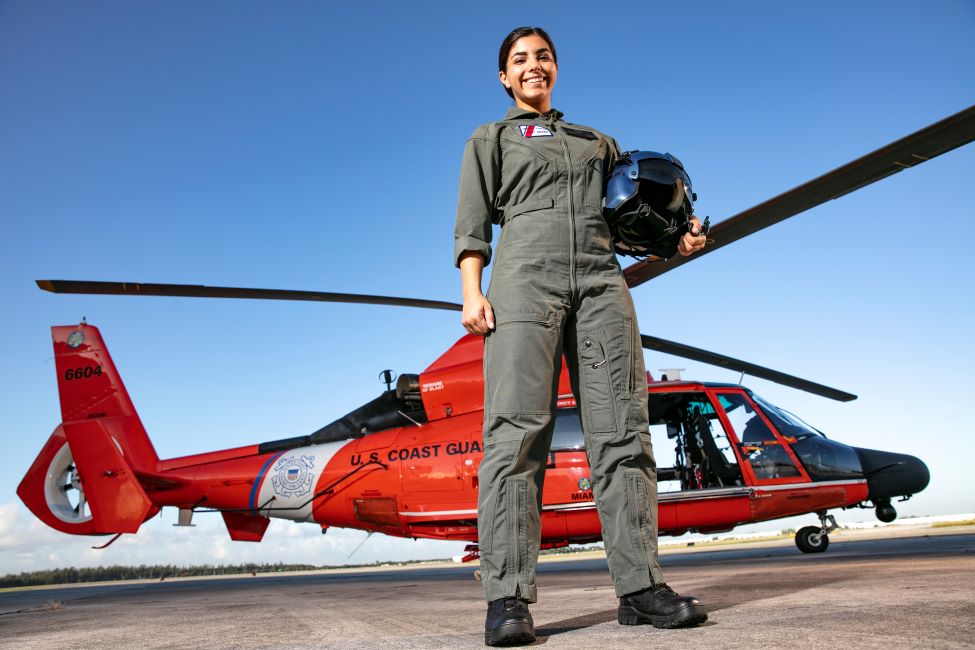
{"points": [[585, 135], [532, 131]]}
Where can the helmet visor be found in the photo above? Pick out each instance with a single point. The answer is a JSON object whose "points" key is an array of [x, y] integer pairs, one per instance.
{"points": [[662, 171]]}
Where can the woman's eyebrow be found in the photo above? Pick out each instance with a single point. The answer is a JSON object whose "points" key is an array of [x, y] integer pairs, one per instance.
{"points": [[541, 50]]}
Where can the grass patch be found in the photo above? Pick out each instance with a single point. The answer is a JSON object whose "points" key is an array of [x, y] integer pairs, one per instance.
{"points": [[946, 524]]}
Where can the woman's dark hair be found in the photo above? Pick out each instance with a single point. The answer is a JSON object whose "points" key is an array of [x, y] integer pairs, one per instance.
{"points": [[510, 39]]}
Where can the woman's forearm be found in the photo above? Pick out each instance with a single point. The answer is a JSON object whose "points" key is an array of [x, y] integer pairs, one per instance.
{"points": [[471, 268]]}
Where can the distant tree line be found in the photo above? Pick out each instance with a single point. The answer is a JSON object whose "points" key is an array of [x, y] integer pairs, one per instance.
{"points": [[162, 571], [141, 572]]}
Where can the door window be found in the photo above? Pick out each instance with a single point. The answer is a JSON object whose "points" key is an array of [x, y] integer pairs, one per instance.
{"points": [[760, 447]]}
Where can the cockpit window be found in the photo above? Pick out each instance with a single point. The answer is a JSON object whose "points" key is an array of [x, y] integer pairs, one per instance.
{"points": [[824, 459], [827, 460], [770, 461], [759, 446], [750, 426], [789, 425]]}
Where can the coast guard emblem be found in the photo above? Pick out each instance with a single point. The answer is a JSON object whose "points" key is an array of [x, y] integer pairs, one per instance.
{"points": [[293, 477], [531, 131]]}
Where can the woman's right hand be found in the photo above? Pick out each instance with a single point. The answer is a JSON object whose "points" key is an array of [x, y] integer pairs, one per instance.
{"points": [[478, 316]]}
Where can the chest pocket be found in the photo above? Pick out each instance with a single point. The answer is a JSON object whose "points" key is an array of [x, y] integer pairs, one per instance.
{"points": [[531, 205], [528, 176]]}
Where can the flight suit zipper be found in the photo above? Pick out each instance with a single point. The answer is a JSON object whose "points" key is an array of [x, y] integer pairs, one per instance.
{"points": [[572, 216]]}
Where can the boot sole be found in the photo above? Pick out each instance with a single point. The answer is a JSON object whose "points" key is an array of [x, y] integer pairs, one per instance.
{"points": [[688, 616]]}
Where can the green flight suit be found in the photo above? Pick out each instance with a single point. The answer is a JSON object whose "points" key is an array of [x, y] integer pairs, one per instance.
{"points": [[556, 287]]}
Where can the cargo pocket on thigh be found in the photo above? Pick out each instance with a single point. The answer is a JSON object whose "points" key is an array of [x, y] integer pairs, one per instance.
{"points": [[597, 387], [638, 510], [518, 362]]}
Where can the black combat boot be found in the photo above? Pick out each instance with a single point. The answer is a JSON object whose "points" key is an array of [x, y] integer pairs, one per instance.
{"points": [[660, 606], [508, 622]]}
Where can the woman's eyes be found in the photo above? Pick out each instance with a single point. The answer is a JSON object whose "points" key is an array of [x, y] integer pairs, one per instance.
{"points": [[521, 60]]}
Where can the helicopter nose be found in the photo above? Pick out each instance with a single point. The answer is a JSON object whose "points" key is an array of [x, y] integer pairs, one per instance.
{"points": [[892, 475]]}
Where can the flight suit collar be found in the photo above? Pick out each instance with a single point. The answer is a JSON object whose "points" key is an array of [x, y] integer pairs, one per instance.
{"points": [[516, 112]]}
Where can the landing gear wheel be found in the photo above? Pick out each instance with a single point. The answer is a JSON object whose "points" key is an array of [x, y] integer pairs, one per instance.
{"points": [[812, 539]]}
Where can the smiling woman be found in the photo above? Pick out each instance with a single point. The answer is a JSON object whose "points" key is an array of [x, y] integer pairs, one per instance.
{"points": [[528, 71], [556, 288]]}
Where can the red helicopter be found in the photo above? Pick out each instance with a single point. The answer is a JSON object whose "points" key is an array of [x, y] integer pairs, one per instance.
{"points": [[405, 464]]}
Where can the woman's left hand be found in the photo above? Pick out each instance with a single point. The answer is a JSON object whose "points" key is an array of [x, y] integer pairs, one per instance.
{"points": [[692, 241]]}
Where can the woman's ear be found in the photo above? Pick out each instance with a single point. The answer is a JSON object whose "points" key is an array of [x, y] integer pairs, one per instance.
{"points": [[504, 79]]}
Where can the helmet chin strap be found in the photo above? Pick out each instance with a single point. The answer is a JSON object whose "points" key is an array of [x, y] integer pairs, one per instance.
{"points": [[679, 194]]}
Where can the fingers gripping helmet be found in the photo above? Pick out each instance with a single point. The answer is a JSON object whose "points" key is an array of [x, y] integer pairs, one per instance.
{"points": [[649, 202]]}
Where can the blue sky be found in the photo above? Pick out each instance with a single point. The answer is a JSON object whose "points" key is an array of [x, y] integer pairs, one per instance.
{"points": [[313, 145]]}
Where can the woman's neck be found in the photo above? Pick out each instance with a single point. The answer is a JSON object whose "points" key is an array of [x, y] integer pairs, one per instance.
{"points": [[542, 108]]}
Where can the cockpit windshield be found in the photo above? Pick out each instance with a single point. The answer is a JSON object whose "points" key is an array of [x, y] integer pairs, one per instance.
{"points": [[788, 424], [824, 459]]}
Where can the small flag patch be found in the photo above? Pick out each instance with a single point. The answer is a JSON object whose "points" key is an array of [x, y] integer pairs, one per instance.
{"points": [[532, 131]]}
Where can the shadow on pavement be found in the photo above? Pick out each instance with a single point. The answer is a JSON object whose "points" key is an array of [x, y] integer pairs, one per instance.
{"points": [[744, 589]]}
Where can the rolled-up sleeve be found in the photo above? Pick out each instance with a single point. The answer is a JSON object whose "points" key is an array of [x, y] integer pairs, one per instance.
{"points": [[480, 176]]}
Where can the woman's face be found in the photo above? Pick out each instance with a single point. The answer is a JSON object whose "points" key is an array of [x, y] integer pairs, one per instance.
{"points": [[531, 72]]}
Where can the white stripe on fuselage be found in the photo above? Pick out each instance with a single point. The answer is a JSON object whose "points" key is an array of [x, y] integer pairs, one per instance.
{"points": [[290, 482]]}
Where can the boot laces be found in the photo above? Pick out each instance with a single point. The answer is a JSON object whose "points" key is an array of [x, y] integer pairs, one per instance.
{"points": [[511, 603]]}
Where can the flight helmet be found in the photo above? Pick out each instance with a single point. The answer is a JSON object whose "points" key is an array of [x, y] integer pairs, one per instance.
{"points": [[649, 203]]}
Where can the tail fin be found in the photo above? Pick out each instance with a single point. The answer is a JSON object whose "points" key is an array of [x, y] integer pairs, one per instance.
{"points": [[84, 480]]}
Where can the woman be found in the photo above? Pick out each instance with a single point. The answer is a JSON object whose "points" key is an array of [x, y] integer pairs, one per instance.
{"points": [[556, 288]]}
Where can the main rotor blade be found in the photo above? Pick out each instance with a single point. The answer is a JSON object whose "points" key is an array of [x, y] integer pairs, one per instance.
{"points": [[932, 141], [201, 291], [715, 359]]}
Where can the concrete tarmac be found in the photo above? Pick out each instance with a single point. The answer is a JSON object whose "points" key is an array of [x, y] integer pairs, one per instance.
{"points": [[915, 591]]}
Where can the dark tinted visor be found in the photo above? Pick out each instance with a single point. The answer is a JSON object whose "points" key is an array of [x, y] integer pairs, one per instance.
{"points": [[662, 171]]}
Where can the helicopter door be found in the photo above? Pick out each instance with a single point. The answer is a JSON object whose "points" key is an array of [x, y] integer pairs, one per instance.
{"points": [[762, 451]]}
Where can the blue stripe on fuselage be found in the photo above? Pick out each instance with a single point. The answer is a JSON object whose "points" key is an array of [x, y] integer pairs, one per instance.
{"points": [[260, 479]]}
